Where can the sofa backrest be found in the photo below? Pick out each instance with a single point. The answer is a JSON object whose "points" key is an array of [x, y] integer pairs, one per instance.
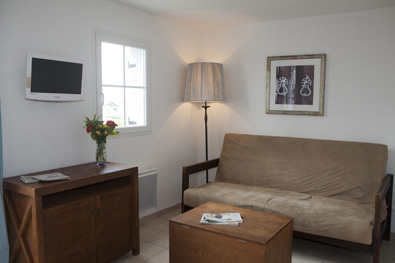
{"points": [[337, 169]]}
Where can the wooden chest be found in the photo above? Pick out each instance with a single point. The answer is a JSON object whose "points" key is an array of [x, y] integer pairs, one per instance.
{"points": [[263, 237]]}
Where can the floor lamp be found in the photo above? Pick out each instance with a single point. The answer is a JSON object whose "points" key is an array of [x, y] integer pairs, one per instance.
{"points": [[205, 83]]}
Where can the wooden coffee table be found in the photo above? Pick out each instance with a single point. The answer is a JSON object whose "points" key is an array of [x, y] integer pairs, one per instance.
{"points": [[263, 237]]}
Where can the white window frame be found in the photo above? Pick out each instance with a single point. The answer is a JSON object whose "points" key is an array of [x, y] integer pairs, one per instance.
{"points": [[125, 41]]}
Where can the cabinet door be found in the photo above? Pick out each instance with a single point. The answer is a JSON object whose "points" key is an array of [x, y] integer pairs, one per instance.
{"points": [[114, 224], [69, 232]]}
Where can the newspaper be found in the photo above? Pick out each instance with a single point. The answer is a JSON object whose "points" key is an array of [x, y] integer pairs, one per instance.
{"points": [[230, 219], [44, 178]]}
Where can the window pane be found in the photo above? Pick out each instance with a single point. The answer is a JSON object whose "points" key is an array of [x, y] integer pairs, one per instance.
{"points": [[135, 107], [112, 61], [123, 80], [113, 108], [134, 67]]}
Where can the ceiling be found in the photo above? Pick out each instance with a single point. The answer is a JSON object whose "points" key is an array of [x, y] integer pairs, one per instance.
{"points": [[202, 14]]}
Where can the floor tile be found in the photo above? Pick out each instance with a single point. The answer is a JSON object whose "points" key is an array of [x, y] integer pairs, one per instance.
{"points": [[172, 214], [348, 256], [386, 260], [146, 232], [161, 239], [387, 249], [304, 251], [159, 223], [128, 258], [149, 250], [162, 257]]}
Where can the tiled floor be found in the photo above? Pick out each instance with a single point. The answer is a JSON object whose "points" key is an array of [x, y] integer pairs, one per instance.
{"points": [[154, 248]]}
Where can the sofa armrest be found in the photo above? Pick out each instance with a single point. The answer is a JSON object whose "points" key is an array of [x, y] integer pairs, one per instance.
{"points": [[383, 193], [195, 168]]}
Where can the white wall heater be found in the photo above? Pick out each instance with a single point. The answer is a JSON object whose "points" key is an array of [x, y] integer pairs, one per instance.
{"points": [[147, 189]]}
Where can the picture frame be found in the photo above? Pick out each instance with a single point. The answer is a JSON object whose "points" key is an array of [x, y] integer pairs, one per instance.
{"points": [[295, 85]]}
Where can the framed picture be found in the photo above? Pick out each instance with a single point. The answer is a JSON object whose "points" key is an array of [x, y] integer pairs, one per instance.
{"points": [[295, 85]]}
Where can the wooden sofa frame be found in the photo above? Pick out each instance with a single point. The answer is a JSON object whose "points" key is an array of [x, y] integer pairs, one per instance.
{"points": [[380, 230]]}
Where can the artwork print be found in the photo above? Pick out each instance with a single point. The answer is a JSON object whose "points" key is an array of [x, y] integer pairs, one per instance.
{"points": [[295, 85]]}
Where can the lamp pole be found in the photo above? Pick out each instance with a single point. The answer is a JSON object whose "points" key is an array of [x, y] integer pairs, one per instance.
{"points": [[205, 126]]}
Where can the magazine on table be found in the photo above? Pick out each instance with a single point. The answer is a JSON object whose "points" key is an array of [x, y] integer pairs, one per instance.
{"points": [[231, 219], [44, 178]]}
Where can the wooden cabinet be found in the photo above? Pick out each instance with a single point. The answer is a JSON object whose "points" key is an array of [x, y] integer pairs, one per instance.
{"points": [[93, 217]]}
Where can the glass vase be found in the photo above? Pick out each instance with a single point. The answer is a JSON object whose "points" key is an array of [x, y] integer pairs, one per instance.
{"points": [[101, 155]]}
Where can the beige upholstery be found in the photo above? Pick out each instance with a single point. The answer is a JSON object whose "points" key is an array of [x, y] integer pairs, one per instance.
{"points": [[328, 187]]}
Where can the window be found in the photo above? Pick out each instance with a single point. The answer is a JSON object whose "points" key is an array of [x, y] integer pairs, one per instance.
{"points": [[123, 82]]}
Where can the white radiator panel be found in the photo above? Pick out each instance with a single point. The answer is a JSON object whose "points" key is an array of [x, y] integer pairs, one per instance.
{"points": [[147, 189]]}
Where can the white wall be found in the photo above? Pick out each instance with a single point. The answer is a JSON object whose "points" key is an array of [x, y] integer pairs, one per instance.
{"points": [[359, 89], [40, 135]]}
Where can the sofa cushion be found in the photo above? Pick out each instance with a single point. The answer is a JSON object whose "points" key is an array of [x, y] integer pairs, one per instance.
{"points": [[350, 171], [316, 215]]}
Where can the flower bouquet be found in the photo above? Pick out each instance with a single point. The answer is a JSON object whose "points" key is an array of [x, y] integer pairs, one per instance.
{"points": [[99, 133]]}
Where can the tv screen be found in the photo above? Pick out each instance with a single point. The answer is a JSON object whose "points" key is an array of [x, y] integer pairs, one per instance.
{"points": [[52, 78]]}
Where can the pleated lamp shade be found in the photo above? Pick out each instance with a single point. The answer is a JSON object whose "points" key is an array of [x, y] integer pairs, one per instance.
{"points": [[205, 82]]}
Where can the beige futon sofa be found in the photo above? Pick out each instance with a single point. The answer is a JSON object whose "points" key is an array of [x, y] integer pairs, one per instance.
{"points": [[336, 191]]}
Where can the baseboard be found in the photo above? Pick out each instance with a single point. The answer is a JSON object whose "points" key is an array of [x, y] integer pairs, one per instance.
{"points": [[162, 212]]}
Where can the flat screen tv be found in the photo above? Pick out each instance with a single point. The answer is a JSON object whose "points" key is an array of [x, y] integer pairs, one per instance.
{"points": [[52, 78]]}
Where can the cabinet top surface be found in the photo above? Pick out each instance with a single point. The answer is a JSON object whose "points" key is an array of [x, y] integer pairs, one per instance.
{"points": [[80, 175], [258, 227]]}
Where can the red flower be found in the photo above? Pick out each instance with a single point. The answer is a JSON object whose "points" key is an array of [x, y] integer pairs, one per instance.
{"points": [[111, 124], [89, 128]]}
